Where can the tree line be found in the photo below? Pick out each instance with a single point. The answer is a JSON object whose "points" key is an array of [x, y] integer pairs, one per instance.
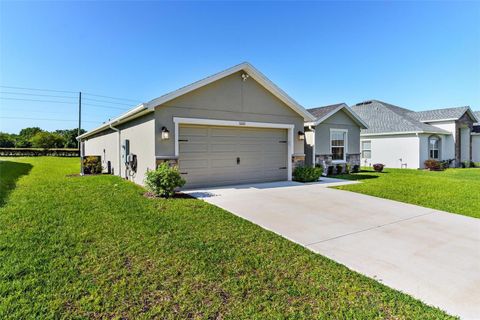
{"points": [[34, 137]]}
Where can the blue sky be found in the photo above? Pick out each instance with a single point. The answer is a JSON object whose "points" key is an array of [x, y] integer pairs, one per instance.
{"points": [[417, 55]]}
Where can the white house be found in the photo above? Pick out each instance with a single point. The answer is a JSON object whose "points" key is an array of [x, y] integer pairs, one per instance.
{"points": [[476, 139], [402, 138]]}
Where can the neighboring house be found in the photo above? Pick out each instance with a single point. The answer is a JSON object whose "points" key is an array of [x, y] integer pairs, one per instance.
{"points": [[233, 127], [402, 138], [476, 139], [334, 136]]}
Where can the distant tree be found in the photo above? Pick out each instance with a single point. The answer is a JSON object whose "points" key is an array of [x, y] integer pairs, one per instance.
{"points": [[70, 136], [21, 142], [7, 140], [47, 140], [28, 133]]}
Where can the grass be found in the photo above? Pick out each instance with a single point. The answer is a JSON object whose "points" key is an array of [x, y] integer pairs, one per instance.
{"points": [[452, 190], [95, 247]]}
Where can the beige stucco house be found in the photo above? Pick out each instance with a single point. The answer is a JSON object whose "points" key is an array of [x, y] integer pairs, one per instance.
{"points": [[233, 127]]}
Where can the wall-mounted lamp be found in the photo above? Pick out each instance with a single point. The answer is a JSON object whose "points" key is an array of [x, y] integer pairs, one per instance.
{"points": [[301, 135], [165, 133]]}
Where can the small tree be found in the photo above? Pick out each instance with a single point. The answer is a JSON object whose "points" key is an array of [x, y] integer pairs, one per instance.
{"points": [[163, 181], [47, 140]]}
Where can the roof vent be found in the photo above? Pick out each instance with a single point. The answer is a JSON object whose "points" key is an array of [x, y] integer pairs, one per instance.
{"points": [[363, 103]]}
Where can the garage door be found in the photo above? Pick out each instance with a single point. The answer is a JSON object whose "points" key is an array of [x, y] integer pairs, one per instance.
{"points": [[210, 155]]}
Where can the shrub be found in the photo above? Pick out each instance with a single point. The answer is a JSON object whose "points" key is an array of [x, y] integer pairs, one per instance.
{"points": [[307, 174], [476, 164], [339, 168], [163, 181], [446, 163], [465, 164], [348, 168], [378, 167], [92, 165], [433, 165], [330, 170], [355, 168]]}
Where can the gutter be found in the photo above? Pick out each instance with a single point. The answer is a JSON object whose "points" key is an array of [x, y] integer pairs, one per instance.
{"points": [[119, 148]]}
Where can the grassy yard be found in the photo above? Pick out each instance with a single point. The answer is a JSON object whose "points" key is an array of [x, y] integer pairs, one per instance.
{"points": [[452, 190], [95, 247]]}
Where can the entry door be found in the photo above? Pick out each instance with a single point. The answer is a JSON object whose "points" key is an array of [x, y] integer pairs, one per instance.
{"points": [[214, 155]]}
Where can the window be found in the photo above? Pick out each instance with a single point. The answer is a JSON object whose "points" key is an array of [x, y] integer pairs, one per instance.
{"points": [[366, 149], [338, 140], [433, 147]]}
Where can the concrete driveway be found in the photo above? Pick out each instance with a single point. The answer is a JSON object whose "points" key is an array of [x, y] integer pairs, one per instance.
{"points": [[429, 254]]}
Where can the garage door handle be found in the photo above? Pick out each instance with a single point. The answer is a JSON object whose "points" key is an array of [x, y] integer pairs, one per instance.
{"points": [[238, 160], [183, 172], [281, 168]]}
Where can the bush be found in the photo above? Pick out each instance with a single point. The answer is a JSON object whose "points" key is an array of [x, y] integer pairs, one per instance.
{"points": [[446, 163], [307, 174], [355, 168], [339, 168], [348, 168], [433, 165], [330, 170], [465, 164], [476, 164], [163, 181], [92, 165], [378, 167]]}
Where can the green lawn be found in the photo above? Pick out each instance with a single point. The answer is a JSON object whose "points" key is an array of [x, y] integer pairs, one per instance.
{"points": [[95, 247], [452, 190]]}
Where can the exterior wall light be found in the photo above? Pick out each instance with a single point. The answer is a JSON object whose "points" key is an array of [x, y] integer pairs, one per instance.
{"points": [[301, 135], [165, 133]]}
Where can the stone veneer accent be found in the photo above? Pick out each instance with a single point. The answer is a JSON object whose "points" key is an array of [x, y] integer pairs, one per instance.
{"points": [[326, 160], [298, 161], [172, 161]]}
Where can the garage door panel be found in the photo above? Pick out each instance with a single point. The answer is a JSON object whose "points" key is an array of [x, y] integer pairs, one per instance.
{"points": [[208, 155]]}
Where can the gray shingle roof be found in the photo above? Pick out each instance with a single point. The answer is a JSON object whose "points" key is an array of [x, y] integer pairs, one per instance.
{"points": [[320, 112], [440, 114], [477, 114], [383, 117]]}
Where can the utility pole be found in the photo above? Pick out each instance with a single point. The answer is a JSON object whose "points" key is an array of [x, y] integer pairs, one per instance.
{"points": [[79, 131]]}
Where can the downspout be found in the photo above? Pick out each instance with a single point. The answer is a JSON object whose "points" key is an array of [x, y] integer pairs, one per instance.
{"points": [[119, 149], [313, 146]]}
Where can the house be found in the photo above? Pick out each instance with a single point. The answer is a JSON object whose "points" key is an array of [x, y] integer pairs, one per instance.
{"points": [[334, 136], [402, 138], [233, 127], [476, 139]]}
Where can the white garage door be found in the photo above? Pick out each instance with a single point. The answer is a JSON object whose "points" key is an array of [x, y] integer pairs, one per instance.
{"points": [[211, 155]]}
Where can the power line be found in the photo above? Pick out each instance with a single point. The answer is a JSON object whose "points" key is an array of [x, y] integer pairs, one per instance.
{"points": [[108, 97], [36, 100], [100, 106], [36, 94], [22, 118], [113, 102], [37, 89]]}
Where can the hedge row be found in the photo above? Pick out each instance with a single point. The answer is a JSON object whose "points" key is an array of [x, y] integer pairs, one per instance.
{"points": [[35, 152]]}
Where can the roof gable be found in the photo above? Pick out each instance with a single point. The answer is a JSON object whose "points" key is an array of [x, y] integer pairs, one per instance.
{"points": [[251, 72], [323, 113], [245, 66]]}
